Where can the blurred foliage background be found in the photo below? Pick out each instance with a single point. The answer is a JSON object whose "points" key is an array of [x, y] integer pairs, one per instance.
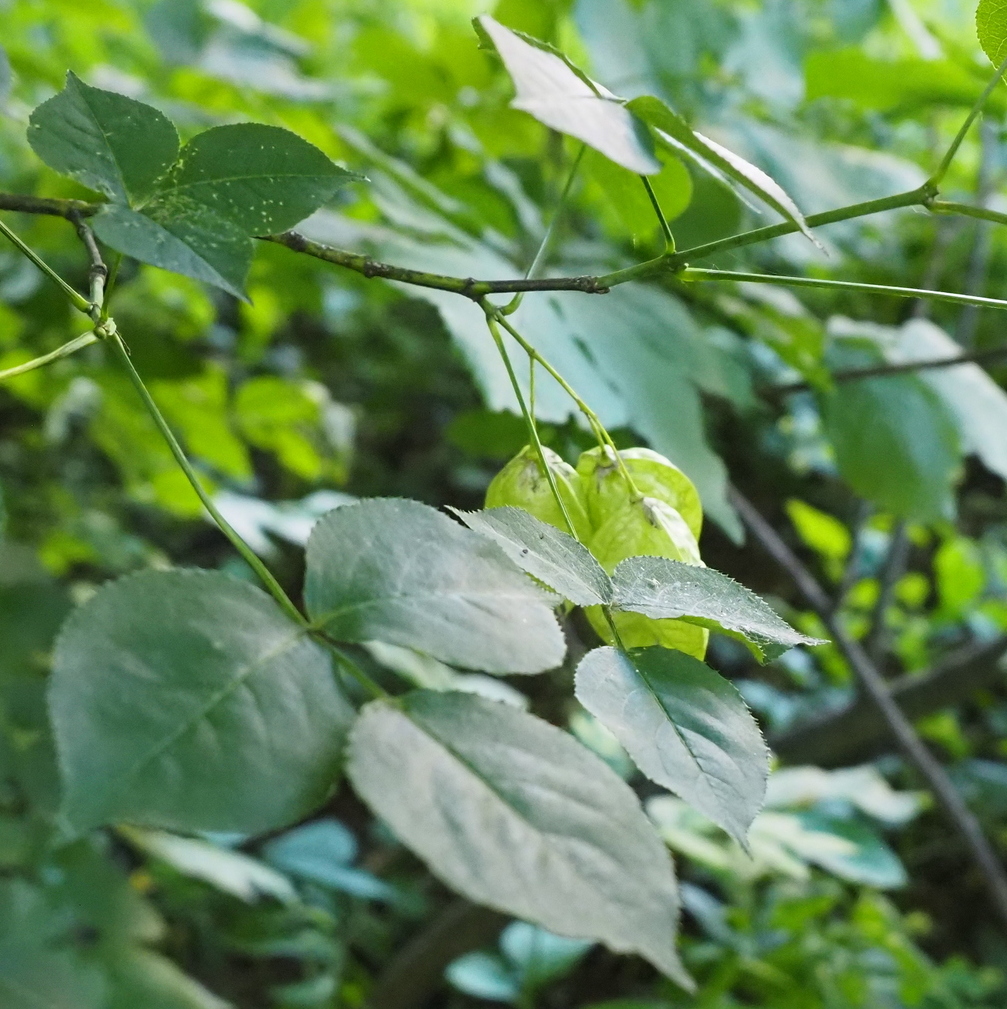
{"points": [[327, 384]]}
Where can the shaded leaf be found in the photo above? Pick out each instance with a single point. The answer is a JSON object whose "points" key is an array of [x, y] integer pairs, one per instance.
{"points": [[400, 572], [665, 589], [685, 726], [991, 27], [189, 240], [109, 142], [676, 130], [563, 98], [895, 441], [263, 179], [514, 814], [551, 556], [230, 871], [188, 700]]}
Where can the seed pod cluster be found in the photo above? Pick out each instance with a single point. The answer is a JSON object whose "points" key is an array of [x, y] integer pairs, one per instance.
{"points": [[614, 523]]}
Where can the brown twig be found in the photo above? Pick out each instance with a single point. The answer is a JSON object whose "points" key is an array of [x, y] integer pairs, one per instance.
{"points": [[857, 731], [884, 370], [876, 690]]}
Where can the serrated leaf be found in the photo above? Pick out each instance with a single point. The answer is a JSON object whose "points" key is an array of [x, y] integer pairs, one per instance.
{"points": [[263, 179], [401, 572], [673, 128], [543, 551], [563, 98], [111, 143], [515, 814], [189, 700], [684, 725], [189, 240], [991, 27], [670, 590]]}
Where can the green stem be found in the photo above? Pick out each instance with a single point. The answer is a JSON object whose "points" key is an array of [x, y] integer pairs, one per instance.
{"points": [[84, 340], [535, 270], [265, 575], [669, 238], [945, 164], [372, 688], [844, 285], [529, 419], [592, 418], [77, 300], [913, 198], [968, 210]]}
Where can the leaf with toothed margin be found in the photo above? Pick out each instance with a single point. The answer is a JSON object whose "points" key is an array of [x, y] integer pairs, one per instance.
{"points": [[192, 241], [189, 700], [663, 589], [553, 557], [111, 143], [516, 814], [684, 725], [400, 572]]}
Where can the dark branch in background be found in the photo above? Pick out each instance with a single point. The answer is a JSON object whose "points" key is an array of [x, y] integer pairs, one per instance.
{"points": [[417, 971], [895, 565], [882, 370], [857, 731], [877, 693], [45, 205]]}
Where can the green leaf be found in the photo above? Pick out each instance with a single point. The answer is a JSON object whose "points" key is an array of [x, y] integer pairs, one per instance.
{"points": [[37, 969], [188, 700], [263, 179], [664, 589], [551, 556], [675, 130], [513, 813], [140, 977], [229, 871], [563, 98], [109, 142], [895, 441], [400, 572], [991, 27], [685, 726], [977, 402], [190, 240]]}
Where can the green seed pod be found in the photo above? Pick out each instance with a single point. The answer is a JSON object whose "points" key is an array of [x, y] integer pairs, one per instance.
{"points": [[523, 483], [654, 476], [650, 528]]}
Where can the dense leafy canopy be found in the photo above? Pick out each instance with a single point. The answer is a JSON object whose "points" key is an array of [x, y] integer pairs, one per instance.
{"points": [[292, 454]]}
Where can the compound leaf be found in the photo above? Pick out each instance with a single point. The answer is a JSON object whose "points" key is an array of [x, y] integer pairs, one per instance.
{"points": [[188, 700], [685, 726], [545, 552], [111, 143], [560, 96], [663, 589], [515, 814], [401, 572]]}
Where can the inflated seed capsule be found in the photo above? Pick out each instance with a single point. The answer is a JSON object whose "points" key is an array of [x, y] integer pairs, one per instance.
{"points": [[653, 528], [523, 483], [654, 476]]}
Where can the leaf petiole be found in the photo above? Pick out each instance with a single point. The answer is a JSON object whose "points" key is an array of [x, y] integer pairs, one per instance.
{"points": [[264, 574], [690, 274], [78, 343]]}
